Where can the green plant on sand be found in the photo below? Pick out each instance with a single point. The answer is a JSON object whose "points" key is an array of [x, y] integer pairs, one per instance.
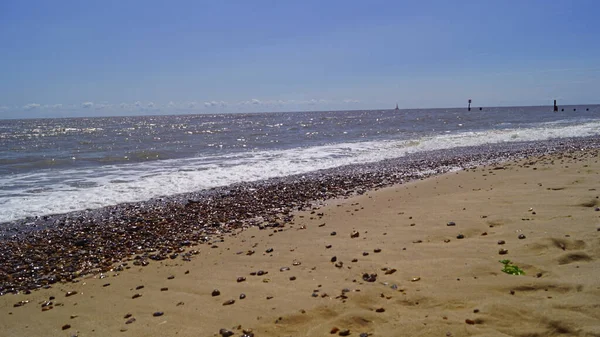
{"points": [[510, 268]]}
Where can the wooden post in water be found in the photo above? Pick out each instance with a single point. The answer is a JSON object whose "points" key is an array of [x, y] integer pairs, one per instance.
{"points": [[555, 106], [469, 104]]}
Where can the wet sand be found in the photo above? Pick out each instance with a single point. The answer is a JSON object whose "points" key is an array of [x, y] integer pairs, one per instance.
{"points": [[429, 282]]}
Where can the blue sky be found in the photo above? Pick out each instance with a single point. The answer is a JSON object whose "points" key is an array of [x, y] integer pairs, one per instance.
{"points": [[93, 58]]}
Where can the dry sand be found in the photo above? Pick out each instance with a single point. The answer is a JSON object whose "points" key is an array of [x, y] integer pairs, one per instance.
{"points": [[440, 288]]}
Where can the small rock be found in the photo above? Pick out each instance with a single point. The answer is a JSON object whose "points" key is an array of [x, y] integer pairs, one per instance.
{"points": [[242, 296], [334, 330], [70, 293], [365, 253], [229, 302], [339, 264], [333, 259], [129, 321], [503, 251], [292, 278], [270, 250], [328, 246], [369, 277], [469, 321], [501, 242], [333, 233], [521, 236], [354, 234], [66, 326], [377, 250], [380, 310], [344, 333], [460, 236], [225, 333], [170, 277], [451, 223], [415, 279], [136, 296], [216, 292], [164, 289], [390, 271], [241, 279], [158, 314]]}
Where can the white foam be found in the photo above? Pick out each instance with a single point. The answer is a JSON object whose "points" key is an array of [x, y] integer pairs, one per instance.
{"points": [[109, 185]]}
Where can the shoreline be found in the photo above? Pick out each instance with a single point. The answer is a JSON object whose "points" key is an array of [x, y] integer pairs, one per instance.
{"points": [[429, 249], [85, 242]]}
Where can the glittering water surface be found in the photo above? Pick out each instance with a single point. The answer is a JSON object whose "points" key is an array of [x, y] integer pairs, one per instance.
{"points": [[52, 166]]}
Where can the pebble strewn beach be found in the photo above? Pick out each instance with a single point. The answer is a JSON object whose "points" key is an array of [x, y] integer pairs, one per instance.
{"points": [[506, 246], [39, 252]]}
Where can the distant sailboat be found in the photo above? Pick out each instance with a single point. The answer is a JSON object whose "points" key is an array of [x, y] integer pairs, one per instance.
{"points": [[397, 107]]}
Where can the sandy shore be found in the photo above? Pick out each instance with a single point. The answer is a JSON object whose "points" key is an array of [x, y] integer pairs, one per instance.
{"points": [[442, 285]]}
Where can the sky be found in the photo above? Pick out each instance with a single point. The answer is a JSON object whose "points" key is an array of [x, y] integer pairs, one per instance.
{"points": [[103, 58]]}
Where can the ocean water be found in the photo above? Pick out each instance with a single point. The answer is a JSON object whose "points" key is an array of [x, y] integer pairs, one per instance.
{"points": [[50, 166]]}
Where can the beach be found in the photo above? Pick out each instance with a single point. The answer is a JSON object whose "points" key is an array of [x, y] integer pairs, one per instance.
{"points": [[419, 258]]}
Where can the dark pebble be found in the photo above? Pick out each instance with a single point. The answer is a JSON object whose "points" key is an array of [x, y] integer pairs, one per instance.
{"points": [[158, 314], [270, 250], [344, 333], [365, 253], [216, 292], [333, 233], [503, 251], [380, 310], [377, 250], [129, 321], [225, 333], [469, 321], [460, 236], [242, 296], [241, 279], [139, 287], [451, 223], [328, 246], [66, 326], [127, 316], [164, 289], [333, 259], [292, 278], [522, 236], [171, 277], [136, 296], [501, 242], [369, 277], [229, 302], [70, 293]]}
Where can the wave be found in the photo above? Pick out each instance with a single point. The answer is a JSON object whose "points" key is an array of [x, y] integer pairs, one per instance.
{"points": [[59, 191]]}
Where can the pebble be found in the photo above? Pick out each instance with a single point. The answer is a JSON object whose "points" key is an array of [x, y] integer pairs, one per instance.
{"points": [[377, 250], [70, 293], [170, 277], [365, 253], [158, 314], [344, 333], [390, 271], [522, 236], [129, 321], [164, 289], [451, 223], [229, 302], [328, 246], [333, 259], [225, 333], [339, 264], [364, 334], [380, 310], [415, 279], [354, 234], [503, 251], [136, 296], [333, 233], [216, 292], [66, 326], [469, 321], [270, 250], [501, 242], [460, 236], [284, 268], [242, 296], [127, 316], [292, 278], [241, 279], [369, 277]]}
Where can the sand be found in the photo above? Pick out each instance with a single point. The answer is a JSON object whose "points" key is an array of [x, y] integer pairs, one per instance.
{"points": [[442, 286]]}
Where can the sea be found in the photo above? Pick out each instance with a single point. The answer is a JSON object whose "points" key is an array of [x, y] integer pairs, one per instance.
{"points": [[53, 166]]}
